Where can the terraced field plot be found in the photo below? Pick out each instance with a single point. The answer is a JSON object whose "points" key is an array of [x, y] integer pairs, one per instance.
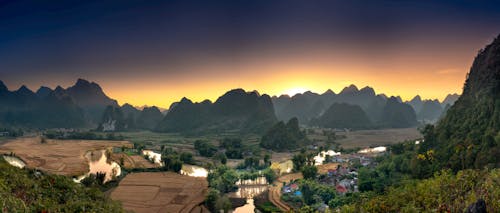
{"points": [[63, 157], [161, 192]]}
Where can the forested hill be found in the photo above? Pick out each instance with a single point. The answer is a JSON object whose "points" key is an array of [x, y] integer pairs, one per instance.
{"points": [[236, 110], [468, 136]]}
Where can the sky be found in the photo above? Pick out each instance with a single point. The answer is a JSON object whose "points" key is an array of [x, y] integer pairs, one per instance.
{"points": [[156, 52]]}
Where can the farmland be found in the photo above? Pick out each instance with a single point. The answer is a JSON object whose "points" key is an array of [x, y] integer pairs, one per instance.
{"points": [[63, 157], [369, 138], [161, 192]]}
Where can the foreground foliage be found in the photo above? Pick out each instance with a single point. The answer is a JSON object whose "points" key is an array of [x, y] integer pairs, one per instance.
{"points": [[445, 192], [24, 190]]}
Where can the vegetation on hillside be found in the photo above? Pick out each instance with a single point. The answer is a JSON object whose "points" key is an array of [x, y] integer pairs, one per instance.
{"points": [[235, 111], [342, 115], [23, 190], [445, 192], [283, 137]]}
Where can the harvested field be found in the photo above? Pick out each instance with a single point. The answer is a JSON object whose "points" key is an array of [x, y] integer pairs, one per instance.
{"points": [[323, 169], [133, 161], [161, 192], [63, 157], [366, 138]]}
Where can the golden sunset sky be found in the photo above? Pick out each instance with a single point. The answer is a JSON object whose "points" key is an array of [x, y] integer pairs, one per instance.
{"points": [[156, 52]]}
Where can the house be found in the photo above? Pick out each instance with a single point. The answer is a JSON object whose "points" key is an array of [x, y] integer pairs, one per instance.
{"points": [[287, 189], [346, 183], [332, 172], [294, 186], [4, 133], [341, 189]]}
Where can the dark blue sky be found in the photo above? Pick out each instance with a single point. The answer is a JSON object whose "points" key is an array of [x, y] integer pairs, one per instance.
{"points": [[54, 42]]}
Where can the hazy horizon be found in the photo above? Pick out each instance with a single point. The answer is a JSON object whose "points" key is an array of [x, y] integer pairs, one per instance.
{"points": [[291, 93]]}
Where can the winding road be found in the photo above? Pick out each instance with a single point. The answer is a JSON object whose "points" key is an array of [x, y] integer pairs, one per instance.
{"points": [[275, 191]]}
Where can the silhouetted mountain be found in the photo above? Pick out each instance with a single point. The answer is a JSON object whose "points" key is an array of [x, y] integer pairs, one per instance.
{"points": [[431, 111], [398, 115], [162, 110], [131, 115], [299, 106], [3, 88], [309, 105], [450, 99], [90, 97], [127, 118], [113, 120], [342, 115], [236, 110], [468, 136], [80, 105], [24, 108], [416, 103], [149, 118], [42, 92]]}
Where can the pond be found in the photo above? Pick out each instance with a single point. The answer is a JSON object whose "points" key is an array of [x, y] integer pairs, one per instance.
{"points": [[98, 162], [14, 161], [377, 149], [153, 156], [248, 207], [194, 171], [249, 189]]}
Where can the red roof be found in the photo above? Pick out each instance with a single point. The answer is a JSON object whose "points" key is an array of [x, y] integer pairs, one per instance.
{"points": [[294, 186], [341, 189]]}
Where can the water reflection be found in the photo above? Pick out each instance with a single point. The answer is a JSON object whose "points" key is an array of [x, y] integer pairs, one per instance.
{"points": [[248, 191], [257, 181], [248, 207], [153, 156], [98, 163], [194, 171], [14, 161], [377, 149]]}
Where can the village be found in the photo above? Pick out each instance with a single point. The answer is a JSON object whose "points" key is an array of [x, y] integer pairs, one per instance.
{"points": [[336, 171]]}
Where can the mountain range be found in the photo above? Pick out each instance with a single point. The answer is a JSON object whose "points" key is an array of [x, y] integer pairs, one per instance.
{"points": [[310, 107], [236, 110], [85, 105]]}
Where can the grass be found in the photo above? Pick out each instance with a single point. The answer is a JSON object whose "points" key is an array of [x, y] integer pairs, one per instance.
{"points": [[156, 139], [369, 138], [267, 207]]}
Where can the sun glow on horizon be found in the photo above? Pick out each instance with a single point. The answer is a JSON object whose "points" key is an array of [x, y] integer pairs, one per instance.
{"points": [[295, 90]]}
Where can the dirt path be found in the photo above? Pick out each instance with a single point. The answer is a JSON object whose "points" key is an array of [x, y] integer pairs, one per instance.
{"points": [[275, 191]]}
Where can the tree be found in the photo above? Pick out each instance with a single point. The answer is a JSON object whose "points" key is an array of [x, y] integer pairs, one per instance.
{"points": [[309, 172], [187, 157], [267, 159], [204, 148], [299, 160], [211, 200], [223, 179], [270, 175], [223, 203]]}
